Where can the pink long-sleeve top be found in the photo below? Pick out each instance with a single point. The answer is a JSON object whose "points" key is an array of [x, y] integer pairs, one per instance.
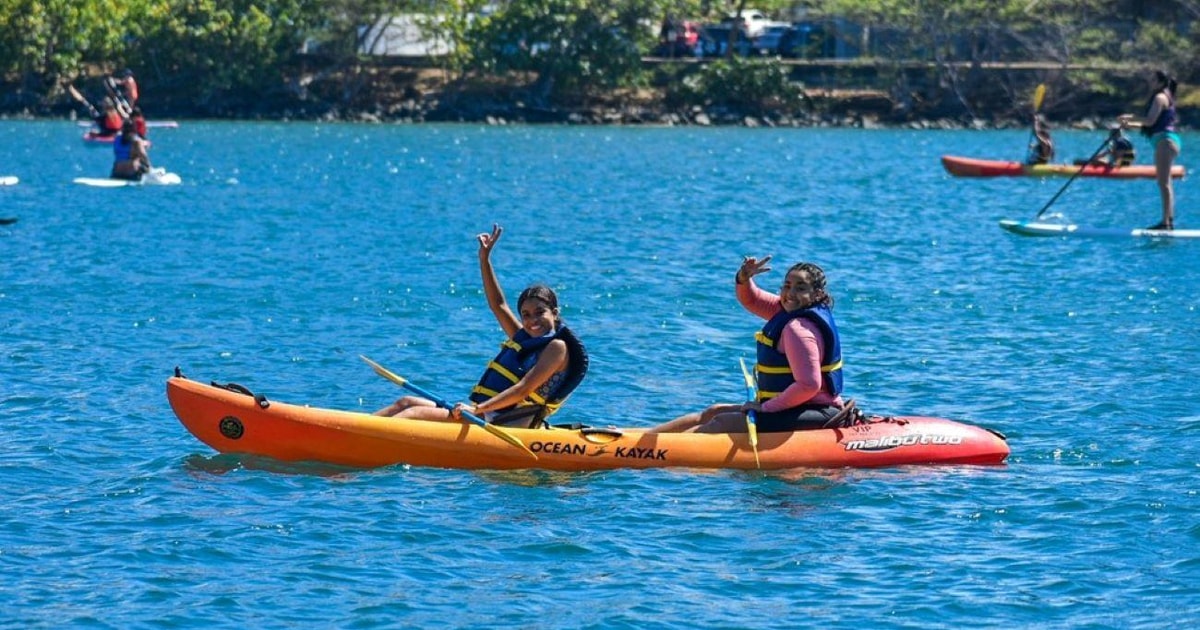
{"points": [[801, 343]]}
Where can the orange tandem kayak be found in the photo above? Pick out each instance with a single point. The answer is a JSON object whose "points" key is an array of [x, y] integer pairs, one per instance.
{"points": [[232, 420], [972, 167]]}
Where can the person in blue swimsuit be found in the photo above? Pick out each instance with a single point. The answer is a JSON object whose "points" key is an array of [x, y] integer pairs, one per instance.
{"points": [[130, 159], [1159, 126]]}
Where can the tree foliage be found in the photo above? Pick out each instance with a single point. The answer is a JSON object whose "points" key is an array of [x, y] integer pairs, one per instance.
{"points": [[569, 45], [233, 53], [44, 40], [227, 50], [754, 86]]}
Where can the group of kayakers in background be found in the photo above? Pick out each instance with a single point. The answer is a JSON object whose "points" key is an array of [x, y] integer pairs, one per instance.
{"points": [[1117, 150], [1158, 124], [798, 370], [120, 118]]}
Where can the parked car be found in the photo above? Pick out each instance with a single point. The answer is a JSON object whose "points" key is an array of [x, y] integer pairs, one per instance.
{"points": [[752, 22], [679, 39], [767, 42]]}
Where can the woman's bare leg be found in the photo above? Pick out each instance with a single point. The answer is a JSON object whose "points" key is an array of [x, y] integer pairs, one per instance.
{"points": [[728, 422], [403, 403], [690, 421], [1164, 157]]}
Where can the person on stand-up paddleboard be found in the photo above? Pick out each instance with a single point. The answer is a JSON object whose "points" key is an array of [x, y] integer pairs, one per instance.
{"points": [[130, 159], [799, 364], [1041, 147], [1159, 126], [539, 364]]}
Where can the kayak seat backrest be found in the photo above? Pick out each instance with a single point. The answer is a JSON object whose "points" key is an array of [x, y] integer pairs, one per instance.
{"points": [[577, 368]]}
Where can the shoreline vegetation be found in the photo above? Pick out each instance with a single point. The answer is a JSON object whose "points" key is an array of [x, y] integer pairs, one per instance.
{"points": [[412, 91], [940, 64]]}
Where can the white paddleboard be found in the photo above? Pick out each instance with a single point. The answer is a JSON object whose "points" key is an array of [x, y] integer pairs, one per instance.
{"points": [[104, 182], [1035, 228], [156, 177], [9, 180]]}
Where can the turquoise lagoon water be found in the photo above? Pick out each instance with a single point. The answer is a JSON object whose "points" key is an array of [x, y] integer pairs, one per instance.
{"points": [[290, 249]]}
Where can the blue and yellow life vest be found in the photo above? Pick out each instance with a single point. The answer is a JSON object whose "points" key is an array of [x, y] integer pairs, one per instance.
{"points": [[517, 356], [772, 369]]}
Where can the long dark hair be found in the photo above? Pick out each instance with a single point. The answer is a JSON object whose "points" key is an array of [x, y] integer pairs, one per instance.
{"points": [[128, 132], [540, 292], [1165, 82], [817, 276]]}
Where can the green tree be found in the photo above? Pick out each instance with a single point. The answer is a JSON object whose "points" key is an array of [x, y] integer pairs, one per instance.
{"points": [[219, 54], [754, 86], [453, 24], [43, 42], [570, 46]]}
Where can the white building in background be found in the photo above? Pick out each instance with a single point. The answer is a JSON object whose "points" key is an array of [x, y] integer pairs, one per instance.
{"points": [[402, 36]]}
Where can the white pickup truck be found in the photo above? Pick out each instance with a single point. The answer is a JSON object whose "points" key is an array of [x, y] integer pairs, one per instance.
{"points": [[752, 21]]}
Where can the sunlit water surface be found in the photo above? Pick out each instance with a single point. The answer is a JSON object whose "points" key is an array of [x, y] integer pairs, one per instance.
{"points": [[290, 249]]}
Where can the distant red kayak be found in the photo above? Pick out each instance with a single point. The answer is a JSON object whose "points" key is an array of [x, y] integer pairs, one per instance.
{"points": [[150, 124], [972, 167]]}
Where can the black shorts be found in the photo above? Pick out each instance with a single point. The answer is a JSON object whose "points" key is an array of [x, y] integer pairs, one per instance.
{"points": [[521, 417], [796, 418]]}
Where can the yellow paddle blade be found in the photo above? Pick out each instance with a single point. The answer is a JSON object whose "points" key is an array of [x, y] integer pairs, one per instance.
{"points": [[754, 441], [749, 378], [751, 421], [1039, 95], [384, 372]]}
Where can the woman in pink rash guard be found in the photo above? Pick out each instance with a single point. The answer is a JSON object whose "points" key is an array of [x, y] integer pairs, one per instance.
{"points": [[799, 361]]}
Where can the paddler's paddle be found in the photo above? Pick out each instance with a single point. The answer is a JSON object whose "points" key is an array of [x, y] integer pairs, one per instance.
{"points": [[123, 108], [751, 417], [79, 97], [441, 402], [1073, 176]]}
